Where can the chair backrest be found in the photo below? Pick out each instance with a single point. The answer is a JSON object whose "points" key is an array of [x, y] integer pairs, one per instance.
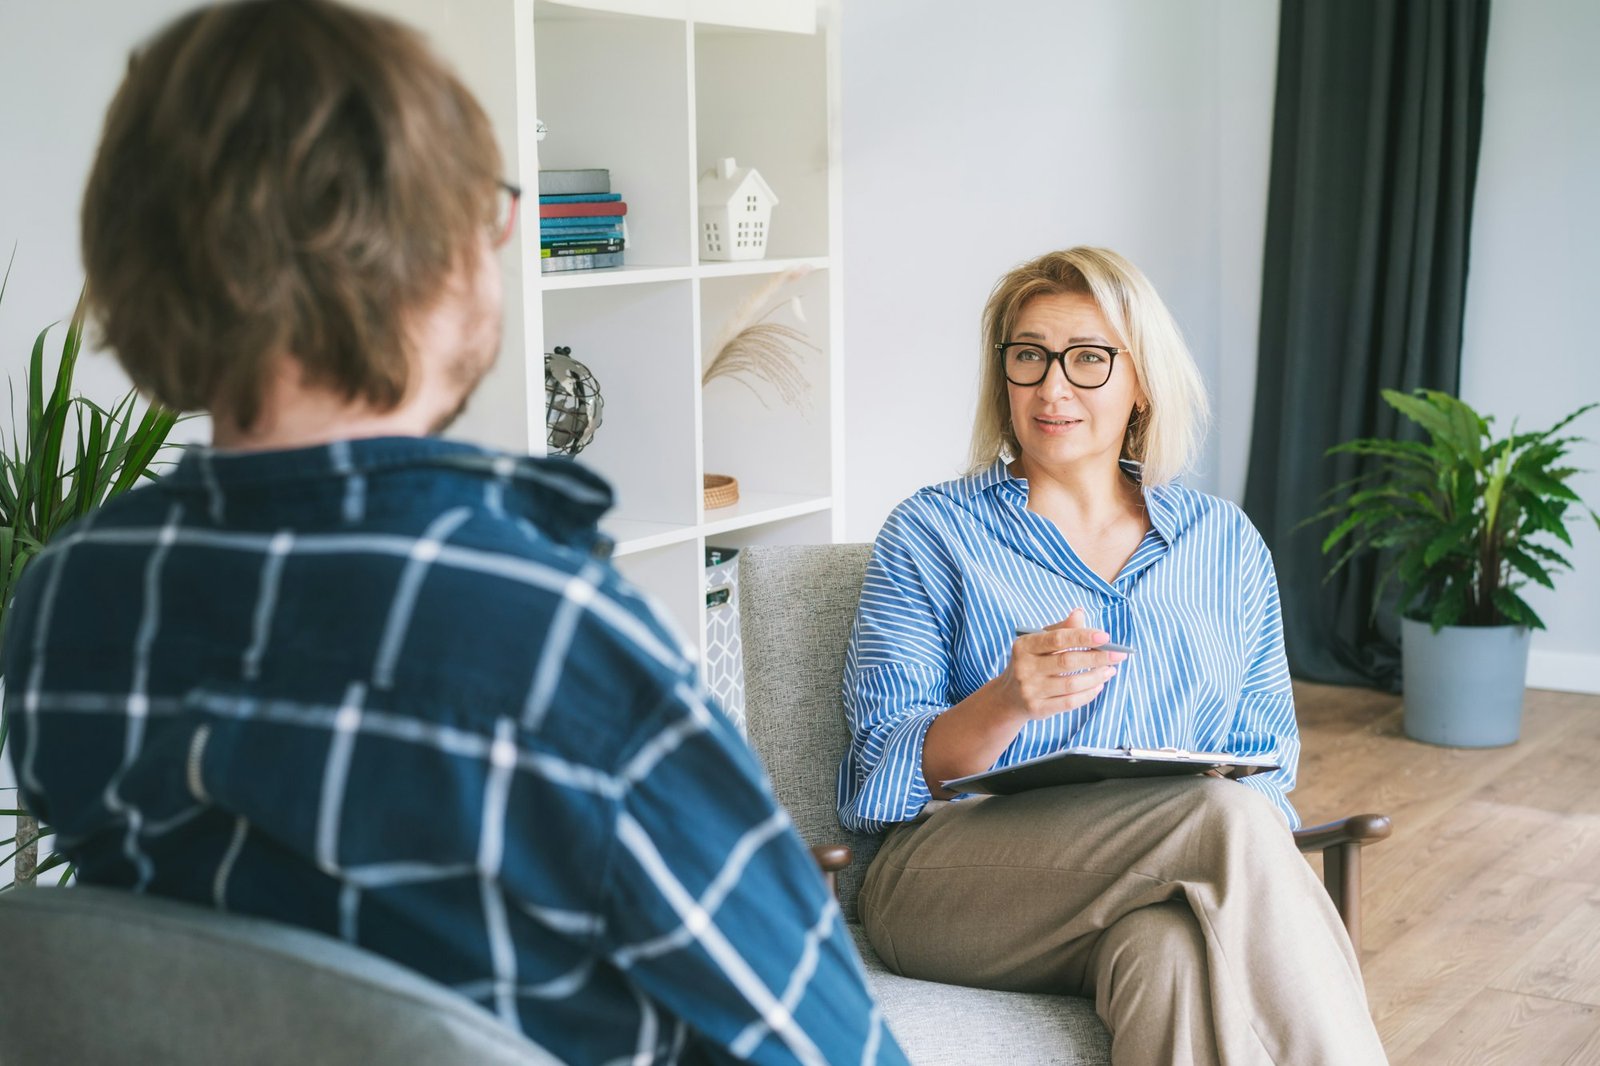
{"points": [[797, 604], [110, 977]]}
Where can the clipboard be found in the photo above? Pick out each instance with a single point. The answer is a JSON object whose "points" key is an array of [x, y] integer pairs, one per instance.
{"points": [[1078, 766]]}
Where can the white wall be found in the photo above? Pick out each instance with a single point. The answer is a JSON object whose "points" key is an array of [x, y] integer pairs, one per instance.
{"points": [[59, 65], [976, 139], [1248, 58], [1535, 278]]}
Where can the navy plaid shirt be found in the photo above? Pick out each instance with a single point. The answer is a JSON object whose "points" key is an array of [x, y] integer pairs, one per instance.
{"points": [[391, 690]]}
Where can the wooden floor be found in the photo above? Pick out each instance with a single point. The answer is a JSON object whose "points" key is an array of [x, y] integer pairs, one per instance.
{"points": [[1482, 911]]}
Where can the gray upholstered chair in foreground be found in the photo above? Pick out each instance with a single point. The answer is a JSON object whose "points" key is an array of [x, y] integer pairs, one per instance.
{"points": [[95, 975], [797, 606]]}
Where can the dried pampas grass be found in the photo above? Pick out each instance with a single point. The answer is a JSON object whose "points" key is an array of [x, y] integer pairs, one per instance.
{"points": [[749, 348]]}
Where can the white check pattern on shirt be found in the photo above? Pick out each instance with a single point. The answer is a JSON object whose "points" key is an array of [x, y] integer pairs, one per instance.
{"points": [[475, 814]]}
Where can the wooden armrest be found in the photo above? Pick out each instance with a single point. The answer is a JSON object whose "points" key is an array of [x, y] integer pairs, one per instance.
{"points": [[1341, 843], [832, 858], [1357, 829]]}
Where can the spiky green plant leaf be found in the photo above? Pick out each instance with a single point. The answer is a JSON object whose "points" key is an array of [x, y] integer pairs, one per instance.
{"points": [[63, 458], [1464, 518]]}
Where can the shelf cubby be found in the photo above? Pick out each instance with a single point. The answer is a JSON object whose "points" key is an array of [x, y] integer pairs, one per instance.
{"points": [[635, 340], [811, 527], [614, 93], [676, 579], [762, 98], [749, 431]]}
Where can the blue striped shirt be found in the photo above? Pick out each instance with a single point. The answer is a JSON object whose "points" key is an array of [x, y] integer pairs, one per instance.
{"points": [[959, 567], [392, 691]]}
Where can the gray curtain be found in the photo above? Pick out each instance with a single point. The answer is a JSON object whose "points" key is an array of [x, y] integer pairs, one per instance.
{"points": [[1374, 156]]}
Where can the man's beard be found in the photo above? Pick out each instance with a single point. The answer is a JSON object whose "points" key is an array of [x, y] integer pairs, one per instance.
{"points": [[473, 361]]}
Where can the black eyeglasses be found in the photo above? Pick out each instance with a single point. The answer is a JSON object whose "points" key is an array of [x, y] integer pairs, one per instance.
{"points": [[1088, 366], [507, 196]]}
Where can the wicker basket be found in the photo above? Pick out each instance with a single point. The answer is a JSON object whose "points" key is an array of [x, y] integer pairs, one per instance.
{"points": [[721, 491]]}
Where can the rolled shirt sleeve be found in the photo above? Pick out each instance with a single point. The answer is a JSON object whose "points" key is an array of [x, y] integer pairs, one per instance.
{"points": [[1264, 723], [897, 678]]}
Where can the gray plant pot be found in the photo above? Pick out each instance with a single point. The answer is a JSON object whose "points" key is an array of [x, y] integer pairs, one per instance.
{"points": [[1464, 684]]}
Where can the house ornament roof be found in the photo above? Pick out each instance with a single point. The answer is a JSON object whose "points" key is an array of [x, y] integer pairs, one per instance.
{"points": [[728, 180]]}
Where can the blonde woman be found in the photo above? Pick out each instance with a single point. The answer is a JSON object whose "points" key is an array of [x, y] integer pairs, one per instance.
{"points": [[1180, 905]]}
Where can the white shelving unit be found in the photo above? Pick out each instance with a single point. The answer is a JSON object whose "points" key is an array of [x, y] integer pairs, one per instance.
{"points": [[656, 91]]}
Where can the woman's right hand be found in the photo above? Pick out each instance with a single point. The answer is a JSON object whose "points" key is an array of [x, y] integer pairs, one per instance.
{"points": [[1051, 671], [1057, 669]]}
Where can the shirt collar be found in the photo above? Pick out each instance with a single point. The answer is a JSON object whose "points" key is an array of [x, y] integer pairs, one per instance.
{"points": [[201, 465], [996, 474], [1165, 515], [554, 489]]}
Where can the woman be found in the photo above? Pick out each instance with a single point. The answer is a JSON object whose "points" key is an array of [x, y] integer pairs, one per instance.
{"points": [[1180, 905]]}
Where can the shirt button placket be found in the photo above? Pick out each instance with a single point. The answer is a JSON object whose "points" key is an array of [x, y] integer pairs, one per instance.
{"points": [[1118, 621]]}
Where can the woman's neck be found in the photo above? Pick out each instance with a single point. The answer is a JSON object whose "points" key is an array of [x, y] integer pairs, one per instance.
{"points": [[1077, 498]]}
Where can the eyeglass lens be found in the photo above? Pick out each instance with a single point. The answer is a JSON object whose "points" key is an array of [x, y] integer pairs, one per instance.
{"points": [[1027, 364]]}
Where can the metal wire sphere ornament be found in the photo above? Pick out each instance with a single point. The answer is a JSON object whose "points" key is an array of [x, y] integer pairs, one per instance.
{"points": [[572, 403]]}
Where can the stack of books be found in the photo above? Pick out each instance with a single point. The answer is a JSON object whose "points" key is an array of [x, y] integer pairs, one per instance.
{"points": [[580, 221]]}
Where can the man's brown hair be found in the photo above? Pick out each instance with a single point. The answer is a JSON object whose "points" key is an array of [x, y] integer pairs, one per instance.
{"points": [[281, 177]]}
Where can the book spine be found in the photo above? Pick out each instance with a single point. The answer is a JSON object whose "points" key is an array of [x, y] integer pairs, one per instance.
{"points": [[580, 262], [583, 198], [566, 248], [596, 233], [614, 208], [592, 221], [573, 182], [598, 237]]}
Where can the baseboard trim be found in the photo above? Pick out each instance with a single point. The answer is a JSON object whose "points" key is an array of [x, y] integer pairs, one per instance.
{"points": [[1564, 671]]}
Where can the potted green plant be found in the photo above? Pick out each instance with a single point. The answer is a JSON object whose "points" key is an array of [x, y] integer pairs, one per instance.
{"points": [[1466, 519], [65, 457]]}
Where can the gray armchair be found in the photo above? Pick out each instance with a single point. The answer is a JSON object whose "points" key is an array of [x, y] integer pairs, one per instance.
{"points": [[95, 975], [797, 607]]}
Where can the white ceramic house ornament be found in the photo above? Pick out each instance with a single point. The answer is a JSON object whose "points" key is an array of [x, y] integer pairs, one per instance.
{"points": [[735, 212]]}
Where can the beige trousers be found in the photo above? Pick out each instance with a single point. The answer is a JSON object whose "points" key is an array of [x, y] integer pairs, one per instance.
{"points": [[1181, 905]]}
